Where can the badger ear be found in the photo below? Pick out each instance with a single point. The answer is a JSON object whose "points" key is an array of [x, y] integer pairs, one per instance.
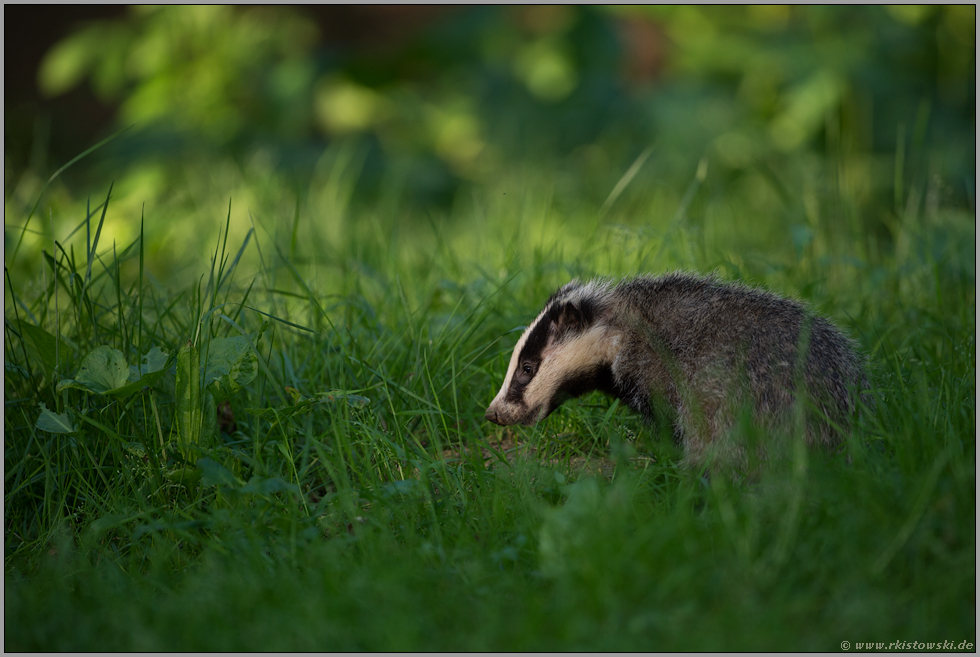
{"points": [[572, 317]]}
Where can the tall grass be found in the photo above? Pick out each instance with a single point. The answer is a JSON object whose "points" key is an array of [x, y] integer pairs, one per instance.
{"points": [[351, 497]]}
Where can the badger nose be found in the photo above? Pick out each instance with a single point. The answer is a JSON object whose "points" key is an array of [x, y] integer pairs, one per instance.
{"points": [[491, 415]]}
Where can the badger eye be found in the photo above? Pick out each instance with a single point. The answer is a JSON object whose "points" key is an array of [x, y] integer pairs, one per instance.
{"points": [[527, 368]]}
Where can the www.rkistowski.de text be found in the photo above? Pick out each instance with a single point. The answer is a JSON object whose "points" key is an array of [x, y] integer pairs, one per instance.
{"points": [[908, 645]]}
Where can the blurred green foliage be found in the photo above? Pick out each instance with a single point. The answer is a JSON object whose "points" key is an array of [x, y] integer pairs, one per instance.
{"points": [[206, 70], [257, 104], [482, 86]]}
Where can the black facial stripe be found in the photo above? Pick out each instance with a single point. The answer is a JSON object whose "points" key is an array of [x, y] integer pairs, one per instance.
{"points": [[558, 320], [537, 339], [515, 393]]}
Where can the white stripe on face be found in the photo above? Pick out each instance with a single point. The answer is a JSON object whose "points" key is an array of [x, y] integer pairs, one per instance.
{"points": [[512, 367], [597, 346], [500, 408]]}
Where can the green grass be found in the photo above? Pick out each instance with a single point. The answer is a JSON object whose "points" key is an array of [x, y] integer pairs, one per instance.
{"points": [[374, 508]]}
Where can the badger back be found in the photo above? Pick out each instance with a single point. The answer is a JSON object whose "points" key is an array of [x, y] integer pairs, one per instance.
{"points": [[565, 352]]}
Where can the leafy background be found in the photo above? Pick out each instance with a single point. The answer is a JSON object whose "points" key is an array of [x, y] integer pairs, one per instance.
{"points": [[420, 104]]}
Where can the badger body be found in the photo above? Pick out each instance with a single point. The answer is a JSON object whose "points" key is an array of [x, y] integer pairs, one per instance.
{"points": [[708, 349]]}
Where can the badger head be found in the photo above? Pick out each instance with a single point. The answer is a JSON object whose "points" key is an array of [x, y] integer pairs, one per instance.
{"points": [[566, 352]]}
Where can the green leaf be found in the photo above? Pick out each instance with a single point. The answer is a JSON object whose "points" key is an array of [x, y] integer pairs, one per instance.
{"points": [[183, 474], [135, 386], [110, 521], [153, 361], [54, 422], [44, 347], [188, 402], [144, 375], [262, 486], [105, 366], [232, 365], [103, 371], [209, 420], [213, 473]]}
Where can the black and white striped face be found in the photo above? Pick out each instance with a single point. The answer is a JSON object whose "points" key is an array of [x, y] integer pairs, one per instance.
{"points": [[564, 353]]}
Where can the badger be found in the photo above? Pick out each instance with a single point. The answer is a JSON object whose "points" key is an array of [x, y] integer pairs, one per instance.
{"points": [[707, 351]]}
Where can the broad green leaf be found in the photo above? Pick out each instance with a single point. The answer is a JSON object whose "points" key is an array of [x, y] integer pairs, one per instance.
{"points": [[153, 361], [103, 371], [262, 486], [188, 402], [209, 420], [44, 347], [183, 474], [110, 521], [106, 365], [54, 422], [134, 386], [232, 365], [144, 375], [402, 487], [213, 473]]}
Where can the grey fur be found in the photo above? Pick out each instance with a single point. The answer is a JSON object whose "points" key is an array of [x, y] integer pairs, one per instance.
{"points": [[706, 348]]}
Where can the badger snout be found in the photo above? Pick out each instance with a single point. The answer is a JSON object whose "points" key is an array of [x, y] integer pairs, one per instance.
{"points": [[502, 413], [506, 414], [491, 415]]}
